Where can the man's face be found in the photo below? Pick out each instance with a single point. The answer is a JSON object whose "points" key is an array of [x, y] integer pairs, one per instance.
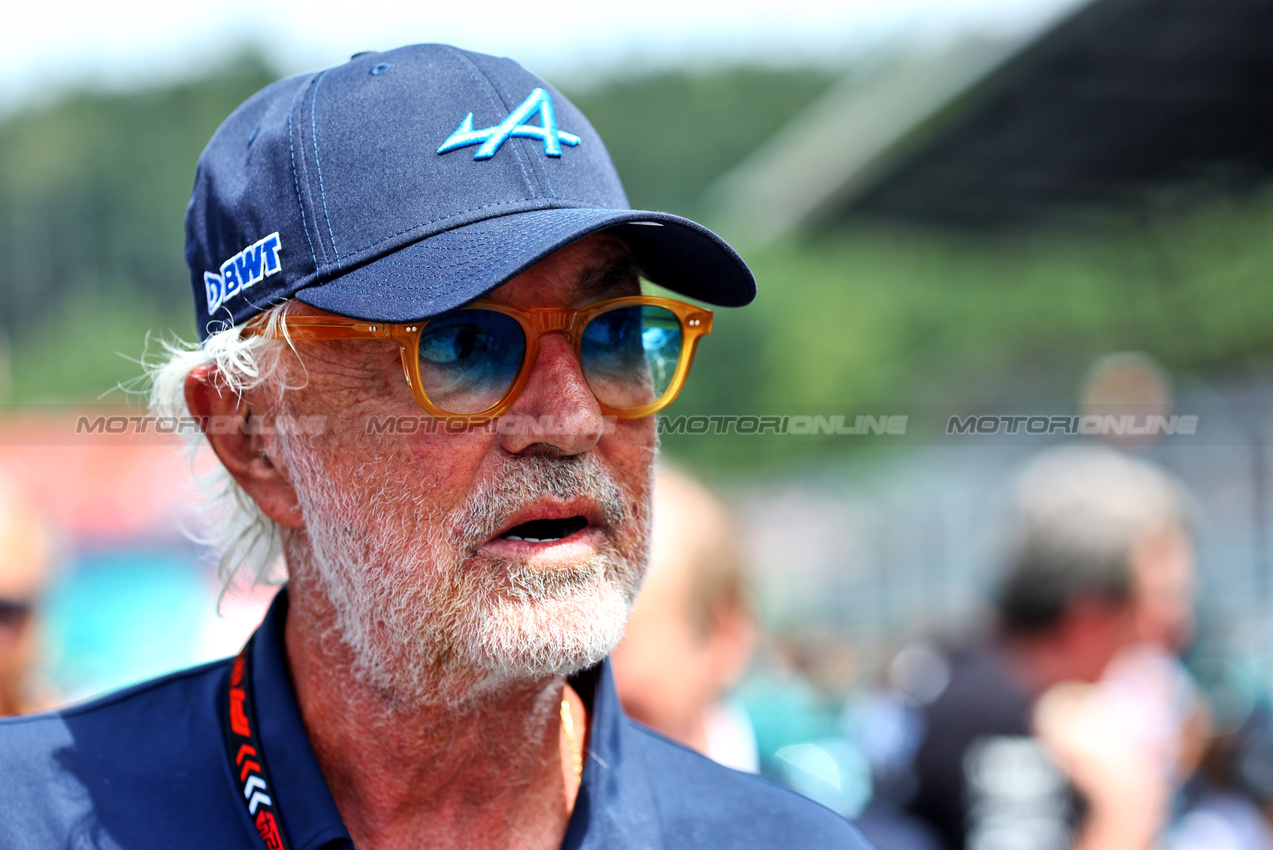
{"points": [[419, 540]]}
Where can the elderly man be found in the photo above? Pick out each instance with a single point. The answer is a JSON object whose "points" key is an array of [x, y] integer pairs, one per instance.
{"points": [[429, 375]]}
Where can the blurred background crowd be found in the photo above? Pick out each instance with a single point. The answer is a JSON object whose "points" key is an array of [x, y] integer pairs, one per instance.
{"points": [[985, 636]]}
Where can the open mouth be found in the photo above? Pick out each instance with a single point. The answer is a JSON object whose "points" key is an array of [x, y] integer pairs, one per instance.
{"points": [[546, 530]]}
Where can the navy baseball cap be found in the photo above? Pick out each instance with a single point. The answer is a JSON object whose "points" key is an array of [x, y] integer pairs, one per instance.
{"points": [[404, 184]]}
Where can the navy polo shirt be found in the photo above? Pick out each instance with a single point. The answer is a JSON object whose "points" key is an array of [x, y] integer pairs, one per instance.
{"points": [[147, 767]]}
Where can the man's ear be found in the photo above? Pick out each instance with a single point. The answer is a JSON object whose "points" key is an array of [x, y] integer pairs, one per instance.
{"points": [[223, 415]]}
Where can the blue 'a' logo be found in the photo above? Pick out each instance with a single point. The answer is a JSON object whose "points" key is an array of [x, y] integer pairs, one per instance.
{"points": [[490, 138]]}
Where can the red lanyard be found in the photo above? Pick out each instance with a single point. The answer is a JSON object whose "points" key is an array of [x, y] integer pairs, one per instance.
{"points": [[247, 761]]}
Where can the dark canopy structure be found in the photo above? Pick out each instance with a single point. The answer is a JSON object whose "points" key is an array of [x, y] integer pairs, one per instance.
{"points": [[1124, 98], [1110, 105]]}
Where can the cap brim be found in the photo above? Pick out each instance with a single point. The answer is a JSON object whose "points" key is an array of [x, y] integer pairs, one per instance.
{"points": [[454, 267]]}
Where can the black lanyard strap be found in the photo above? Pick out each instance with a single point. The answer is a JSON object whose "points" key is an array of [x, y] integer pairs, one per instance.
{"points": [[247, 760]]}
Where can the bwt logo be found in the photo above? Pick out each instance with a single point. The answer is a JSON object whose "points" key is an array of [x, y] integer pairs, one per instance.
{"points": [[247, 268], [1091, 425]]}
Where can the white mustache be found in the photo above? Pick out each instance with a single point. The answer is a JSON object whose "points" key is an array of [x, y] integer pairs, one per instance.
{"points": [[524, 480]]}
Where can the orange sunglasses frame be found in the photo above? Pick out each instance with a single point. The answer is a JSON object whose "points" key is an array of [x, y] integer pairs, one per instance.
{"points": [[696, 322]]}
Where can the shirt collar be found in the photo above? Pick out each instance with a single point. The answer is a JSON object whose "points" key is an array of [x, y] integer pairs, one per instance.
{"points": [[615, 807]]}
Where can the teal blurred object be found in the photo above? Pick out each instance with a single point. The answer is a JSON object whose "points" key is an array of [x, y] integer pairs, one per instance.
{"points": [[122, 616], [784, 710], [831, 771]]}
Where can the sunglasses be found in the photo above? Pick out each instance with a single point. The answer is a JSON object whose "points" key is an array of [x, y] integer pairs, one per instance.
{"points": [[472, 363]]}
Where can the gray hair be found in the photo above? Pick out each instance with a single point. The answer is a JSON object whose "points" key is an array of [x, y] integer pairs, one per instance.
{"points": [[248, 543], [1078, 513]]}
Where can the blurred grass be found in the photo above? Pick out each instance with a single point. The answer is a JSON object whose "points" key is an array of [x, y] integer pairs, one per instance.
{"points": [[936, 316], [874, 317]]}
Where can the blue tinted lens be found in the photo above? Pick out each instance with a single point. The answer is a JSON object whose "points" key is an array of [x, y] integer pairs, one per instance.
{"points": [[469, 359], [630, 354]]}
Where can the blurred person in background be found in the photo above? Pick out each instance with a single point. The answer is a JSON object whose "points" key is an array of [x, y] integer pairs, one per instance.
{"points": [[1152, 701], [25, 563], [692, 631], [1021, 743]]}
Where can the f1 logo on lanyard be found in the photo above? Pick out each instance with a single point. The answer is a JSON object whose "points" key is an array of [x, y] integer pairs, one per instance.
{"points": [[246, 757]]}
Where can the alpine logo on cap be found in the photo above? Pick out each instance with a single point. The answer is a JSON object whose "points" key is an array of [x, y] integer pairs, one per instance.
{"points": [[250, 266], [490, 138]]}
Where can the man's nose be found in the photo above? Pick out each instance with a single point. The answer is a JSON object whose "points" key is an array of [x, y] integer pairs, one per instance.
{"points": [[556, 411]]}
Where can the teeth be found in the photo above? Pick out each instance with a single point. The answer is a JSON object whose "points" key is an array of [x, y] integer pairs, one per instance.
{"points": [[532, 539]]}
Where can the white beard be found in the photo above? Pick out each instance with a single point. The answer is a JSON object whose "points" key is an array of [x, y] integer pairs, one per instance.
{"points": [[429, 621]]}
